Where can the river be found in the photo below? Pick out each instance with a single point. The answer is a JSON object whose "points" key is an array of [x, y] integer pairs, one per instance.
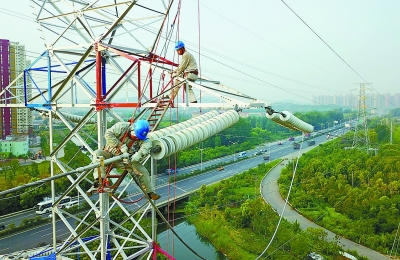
{"points": [[202, 246]]}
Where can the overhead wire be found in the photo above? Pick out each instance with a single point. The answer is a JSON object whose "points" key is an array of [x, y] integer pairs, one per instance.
{"points": [[248, 74], [365, 82], [263, 81], [297, 82]]}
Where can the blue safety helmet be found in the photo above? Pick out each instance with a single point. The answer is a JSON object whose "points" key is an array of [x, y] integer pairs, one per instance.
{"points": [[179, 45], [141, 128]]}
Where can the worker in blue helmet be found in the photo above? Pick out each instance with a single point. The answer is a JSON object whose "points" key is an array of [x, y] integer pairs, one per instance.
{"points": [[186, 69], [136, 144]]}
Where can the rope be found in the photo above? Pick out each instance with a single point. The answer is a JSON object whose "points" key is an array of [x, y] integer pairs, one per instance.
{"points": [[198, 15], [127, 202], [175, 22]]}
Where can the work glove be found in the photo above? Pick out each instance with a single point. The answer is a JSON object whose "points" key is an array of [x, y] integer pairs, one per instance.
{"points": [[123, 148], [136, 157]]}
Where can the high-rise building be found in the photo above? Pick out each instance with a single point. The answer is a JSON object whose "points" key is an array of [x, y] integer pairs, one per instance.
{"points": [[13, 120]]}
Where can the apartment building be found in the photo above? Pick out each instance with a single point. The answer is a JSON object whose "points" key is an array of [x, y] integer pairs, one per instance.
{"points": [[14, 121], [16, 146]]}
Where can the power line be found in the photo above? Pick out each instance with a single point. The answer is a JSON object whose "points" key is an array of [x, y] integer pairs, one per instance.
{"points": [[365, 82]]}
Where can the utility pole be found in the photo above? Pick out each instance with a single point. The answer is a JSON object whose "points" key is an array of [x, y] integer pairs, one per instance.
{"points": [[234, 150], [201, 158]]}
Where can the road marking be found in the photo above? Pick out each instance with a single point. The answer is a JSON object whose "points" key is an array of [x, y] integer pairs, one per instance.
{"points": [[48, 234], [181, 189], [41, 231]]}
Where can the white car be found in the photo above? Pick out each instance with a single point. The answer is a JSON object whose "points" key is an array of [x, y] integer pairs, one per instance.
{"points": [[72, 203]]}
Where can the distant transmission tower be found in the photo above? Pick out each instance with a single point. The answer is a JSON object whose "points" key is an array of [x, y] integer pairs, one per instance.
{"points": [[361, 138]]}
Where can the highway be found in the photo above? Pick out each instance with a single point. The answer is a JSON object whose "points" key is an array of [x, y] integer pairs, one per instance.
{"points": [[168, 191]]}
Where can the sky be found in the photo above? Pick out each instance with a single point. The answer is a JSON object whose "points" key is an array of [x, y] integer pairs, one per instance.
{"points": [[271, 49]]}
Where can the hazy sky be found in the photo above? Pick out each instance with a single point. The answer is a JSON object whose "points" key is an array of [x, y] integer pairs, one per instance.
{"points": [[262, 48]]}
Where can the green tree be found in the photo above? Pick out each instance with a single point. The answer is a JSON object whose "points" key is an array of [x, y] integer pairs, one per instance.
{"points": [[14, 166], [34, 170]]}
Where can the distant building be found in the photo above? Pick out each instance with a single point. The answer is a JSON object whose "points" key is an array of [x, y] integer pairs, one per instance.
{"points": [[372, 101], [17, 146], [14, 121]]}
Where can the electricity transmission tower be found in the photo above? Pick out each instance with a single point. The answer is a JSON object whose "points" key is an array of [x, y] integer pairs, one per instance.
{"points": [[361, 138], [101, 56]]}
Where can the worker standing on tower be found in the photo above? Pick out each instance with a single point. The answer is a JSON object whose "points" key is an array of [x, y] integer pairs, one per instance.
{"points": [[186, 69], [136, 144]]}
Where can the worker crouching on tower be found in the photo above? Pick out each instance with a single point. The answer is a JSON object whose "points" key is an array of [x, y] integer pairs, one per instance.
{"points": [[136, 144], [187, 69]]}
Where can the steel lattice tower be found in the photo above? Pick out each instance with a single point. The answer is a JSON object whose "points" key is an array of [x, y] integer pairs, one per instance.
{"points": [[361, 137]]}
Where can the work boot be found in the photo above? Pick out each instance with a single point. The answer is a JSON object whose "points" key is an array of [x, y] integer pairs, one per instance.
{"points": [[153, 196]]}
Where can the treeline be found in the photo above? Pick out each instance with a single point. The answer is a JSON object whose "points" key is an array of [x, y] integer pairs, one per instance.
{"points": [[351, 192]]}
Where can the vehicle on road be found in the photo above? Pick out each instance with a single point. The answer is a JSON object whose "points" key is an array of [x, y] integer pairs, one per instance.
{"points": [[242, 154], [291, 138], [312, 142], [296, 145], [2, 226], [279, 143], [46, 205], [220, 168], [71, 204], [266, 157], [172, 171]]}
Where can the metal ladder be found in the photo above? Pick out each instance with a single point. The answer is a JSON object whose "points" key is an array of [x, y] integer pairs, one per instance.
{"points": [[154, 120], [158, 112]]}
